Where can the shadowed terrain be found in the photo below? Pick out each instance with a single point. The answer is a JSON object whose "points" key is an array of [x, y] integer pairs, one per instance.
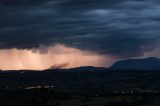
{"points": [[84, 86]]}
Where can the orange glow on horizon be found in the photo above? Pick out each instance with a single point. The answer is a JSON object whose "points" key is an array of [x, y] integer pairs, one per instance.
{"points": [[58, 56]]}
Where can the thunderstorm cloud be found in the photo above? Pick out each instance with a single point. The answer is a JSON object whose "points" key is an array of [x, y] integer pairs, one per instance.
{"points": [[119, 28]]}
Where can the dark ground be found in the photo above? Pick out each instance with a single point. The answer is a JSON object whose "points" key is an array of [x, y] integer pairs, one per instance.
{"points": [[80, 88]]}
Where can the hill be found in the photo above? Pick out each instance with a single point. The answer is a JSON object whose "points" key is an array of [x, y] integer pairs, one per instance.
{"points": [[150, 63]]}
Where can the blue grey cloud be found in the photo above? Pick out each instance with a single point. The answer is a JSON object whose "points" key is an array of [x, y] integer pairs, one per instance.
{"points": [[122, 28]]}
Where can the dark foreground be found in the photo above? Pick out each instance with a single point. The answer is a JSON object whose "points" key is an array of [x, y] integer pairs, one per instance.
{"points": [[45, 97], [80, 87]]}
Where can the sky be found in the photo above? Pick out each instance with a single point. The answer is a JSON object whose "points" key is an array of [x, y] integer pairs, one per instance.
{"points": [[94, 32]]}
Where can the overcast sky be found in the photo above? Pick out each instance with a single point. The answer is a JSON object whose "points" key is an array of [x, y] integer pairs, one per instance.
{"points": [[120, 28]]}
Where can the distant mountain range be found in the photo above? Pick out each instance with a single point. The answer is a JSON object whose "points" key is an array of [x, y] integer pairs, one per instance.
{"points": [[150, 63]]}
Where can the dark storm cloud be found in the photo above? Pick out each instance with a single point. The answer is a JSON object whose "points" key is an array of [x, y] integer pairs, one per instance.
{"points": [[123, 28]]}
